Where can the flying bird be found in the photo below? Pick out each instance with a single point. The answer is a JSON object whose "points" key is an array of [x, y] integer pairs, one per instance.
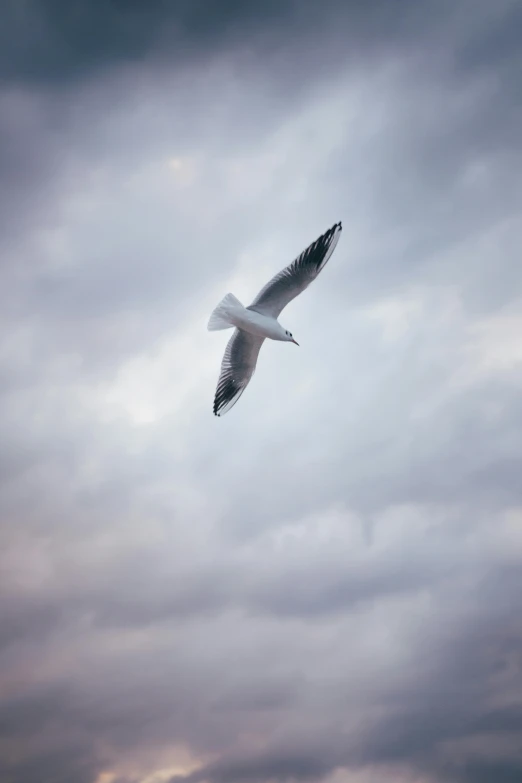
{"points": [[259, 320]]}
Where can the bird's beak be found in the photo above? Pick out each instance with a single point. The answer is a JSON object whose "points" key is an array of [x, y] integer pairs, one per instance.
{"points": [[294, 341]]}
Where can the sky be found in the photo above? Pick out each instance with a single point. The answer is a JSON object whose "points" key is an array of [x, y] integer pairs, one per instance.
{"points": [[325, 584]]}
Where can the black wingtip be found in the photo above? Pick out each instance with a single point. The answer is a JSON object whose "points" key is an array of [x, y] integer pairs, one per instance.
{"points": [[331, 231]]}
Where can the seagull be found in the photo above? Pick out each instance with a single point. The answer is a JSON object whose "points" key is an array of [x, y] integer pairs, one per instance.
{"points": [[259, 320]]}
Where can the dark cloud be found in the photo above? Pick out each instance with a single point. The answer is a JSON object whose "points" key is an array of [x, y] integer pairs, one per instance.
{"points": [[323, 586], [284, 767], [441, 709], [57, 42], [36, 740]]}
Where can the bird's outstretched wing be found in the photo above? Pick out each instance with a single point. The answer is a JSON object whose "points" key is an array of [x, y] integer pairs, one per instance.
{"points": [[297, 276], [237, 368]]}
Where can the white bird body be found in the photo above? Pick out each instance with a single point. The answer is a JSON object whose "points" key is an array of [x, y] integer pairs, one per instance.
{"points": [[255, 323], [230, 312]]}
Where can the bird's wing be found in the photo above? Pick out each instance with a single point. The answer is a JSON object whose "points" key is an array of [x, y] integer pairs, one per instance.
{"points": [[297, 276], [237, 368]]}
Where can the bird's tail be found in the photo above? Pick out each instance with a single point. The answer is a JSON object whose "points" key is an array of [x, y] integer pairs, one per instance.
{"points": [[220, 318]]}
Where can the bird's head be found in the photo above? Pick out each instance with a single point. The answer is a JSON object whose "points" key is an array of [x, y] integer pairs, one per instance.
{"points": [[290, 338]]}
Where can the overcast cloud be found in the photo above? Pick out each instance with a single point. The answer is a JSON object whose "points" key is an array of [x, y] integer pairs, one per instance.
{"points": [[324, 585]]}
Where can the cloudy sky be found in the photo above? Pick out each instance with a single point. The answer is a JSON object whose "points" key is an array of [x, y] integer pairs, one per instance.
{"points": [[324, 585]]}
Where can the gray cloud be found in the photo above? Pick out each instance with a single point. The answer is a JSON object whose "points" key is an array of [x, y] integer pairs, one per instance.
{"points": [[67, 43], [322, 586]]}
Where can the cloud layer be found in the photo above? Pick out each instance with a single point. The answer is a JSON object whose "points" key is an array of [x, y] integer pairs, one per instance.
{"points": [[323, 585]]}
